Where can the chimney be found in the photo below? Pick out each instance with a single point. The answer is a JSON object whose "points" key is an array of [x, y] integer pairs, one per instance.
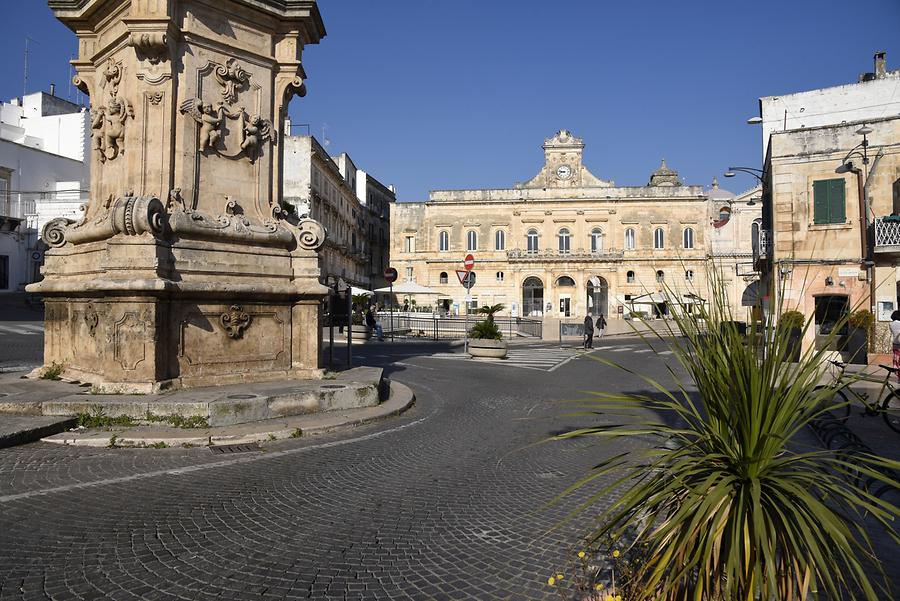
{"points": [[53, 89], [880, 64]]}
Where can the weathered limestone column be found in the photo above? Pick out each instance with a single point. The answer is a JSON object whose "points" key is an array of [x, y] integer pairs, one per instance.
{"points": [[184, 270]]}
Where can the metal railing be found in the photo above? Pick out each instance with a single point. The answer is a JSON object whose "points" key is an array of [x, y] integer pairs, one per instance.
{"points": [[17, 207], [549, 254], [887, 234], [435, 327]]}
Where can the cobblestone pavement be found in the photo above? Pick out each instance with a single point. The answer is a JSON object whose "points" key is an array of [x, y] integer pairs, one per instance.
{"points": [[445, 502]]}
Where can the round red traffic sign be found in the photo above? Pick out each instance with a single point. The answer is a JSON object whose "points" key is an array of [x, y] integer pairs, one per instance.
{"points": [[469, 263], [390, 274]]}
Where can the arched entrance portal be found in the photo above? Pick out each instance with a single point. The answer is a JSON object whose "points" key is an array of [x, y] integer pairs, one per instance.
{"points": [[597, 296], [533, 297]]}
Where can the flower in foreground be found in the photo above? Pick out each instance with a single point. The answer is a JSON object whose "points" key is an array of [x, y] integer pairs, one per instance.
{"points": [[581, 554], [551, 581], [616, 553]]}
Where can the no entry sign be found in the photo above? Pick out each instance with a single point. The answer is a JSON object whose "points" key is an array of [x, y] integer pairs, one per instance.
{"points": [[390, 274], [469, 262]]}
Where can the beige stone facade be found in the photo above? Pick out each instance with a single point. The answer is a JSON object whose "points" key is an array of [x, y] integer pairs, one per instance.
{"points": [[824, 236], [561, 245], [185, 270], [353, 206]]}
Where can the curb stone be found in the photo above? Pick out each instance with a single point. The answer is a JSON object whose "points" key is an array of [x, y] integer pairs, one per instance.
{"points": [[401, 398]]}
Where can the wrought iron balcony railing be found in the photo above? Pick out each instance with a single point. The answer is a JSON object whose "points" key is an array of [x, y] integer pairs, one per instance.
{"points": [[887, 234]]}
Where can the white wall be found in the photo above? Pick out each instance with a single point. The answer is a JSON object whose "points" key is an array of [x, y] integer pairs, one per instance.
{"points": [[862, 101]]}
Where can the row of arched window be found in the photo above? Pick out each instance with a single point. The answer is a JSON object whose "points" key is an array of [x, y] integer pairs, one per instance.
{"points": [[564, 240], [443, 278]]}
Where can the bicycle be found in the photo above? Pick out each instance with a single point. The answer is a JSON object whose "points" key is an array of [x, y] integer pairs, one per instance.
{"points": [[873, 406]]}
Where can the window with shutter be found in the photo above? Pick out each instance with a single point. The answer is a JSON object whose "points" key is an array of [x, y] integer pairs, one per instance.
{"points": [[829, 201]]}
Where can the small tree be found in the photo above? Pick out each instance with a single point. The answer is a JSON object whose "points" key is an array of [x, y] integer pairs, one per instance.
{"points": [[490, 311]]}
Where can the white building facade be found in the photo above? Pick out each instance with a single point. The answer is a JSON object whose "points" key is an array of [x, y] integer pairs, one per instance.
{"points": [[44, 141]]}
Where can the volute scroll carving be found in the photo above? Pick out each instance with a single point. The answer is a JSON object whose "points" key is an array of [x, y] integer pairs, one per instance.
{"points": [[311, 234], [53, 233], [128, 215], [152, 46]]}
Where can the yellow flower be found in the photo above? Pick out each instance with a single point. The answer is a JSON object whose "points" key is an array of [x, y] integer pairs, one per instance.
{"points": [[551, 581], [598, 587], [609, 598], [616, 553], [618, 597], [581, 554], [559, 576]]}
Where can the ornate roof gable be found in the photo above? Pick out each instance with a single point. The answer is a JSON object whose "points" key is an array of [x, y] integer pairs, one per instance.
{"points": [[563, 166]]}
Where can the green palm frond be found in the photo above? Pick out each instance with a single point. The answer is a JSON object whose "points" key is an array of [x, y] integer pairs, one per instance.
{"points": [[727, 503]]}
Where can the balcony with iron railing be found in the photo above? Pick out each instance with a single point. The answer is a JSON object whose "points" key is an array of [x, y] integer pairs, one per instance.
{"points": [[762, 247], [549, 254], [887, 235]]}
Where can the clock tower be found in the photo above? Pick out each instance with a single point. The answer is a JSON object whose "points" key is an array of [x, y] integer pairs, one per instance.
{"points": [[563, 167]]}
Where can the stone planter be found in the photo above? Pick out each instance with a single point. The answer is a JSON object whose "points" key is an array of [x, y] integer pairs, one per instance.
{"points": [[484, 348], [361, 332], [856, 346]]}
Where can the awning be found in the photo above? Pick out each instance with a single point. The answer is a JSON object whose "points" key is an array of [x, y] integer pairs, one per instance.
{"points": [[355, 291], [408, 288], [751, 296]]}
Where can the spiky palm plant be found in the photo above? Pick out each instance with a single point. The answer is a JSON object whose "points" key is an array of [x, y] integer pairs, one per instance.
{"points": [[490, 310], [729, 504]]}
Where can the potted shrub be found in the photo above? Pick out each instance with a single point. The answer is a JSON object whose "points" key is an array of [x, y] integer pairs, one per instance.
{"points": [[485, 339], [358, 323], [791, 323], [856, 344]]}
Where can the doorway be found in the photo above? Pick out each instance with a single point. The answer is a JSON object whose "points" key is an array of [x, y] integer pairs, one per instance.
{"points": [[533, 297], [597, 296]]}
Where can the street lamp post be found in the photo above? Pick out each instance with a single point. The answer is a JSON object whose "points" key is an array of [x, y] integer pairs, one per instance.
{"points": [[848, 166]]}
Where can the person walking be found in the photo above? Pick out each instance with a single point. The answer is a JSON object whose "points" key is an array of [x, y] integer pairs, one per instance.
{"points": [[601, 325], [895, 339], [588, 331]]}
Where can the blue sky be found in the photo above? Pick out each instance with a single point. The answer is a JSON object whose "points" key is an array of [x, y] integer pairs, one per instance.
{"points": [[429, 94]]}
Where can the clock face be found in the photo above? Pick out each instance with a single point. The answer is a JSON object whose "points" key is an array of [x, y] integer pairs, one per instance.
{"points": [[563, 172]]}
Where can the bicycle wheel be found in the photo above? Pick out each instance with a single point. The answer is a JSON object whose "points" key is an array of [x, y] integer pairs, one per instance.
{"points": [[838, 406], [890, 414]]}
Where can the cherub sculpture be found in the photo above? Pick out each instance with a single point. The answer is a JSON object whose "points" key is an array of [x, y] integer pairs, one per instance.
{"points": [[256, 129], [210, 119], [117, 112], [98, 116]]}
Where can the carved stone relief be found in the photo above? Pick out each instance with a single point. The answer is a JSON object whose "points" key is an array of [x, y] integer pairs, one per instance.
{"points": [[91, 319], [253, 129], [108, 120], [152, 47], [235, 321]]}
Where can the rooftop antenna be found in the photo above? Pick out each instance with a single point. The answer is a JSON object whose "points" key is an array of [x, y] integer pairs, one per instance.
{"points": [[25, 82], [325, 141]]}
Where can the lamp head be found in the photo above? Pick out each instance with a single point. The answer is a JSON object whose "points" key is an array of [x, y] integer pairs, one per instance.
{"points": [[729, 174], [865, 130], [754, 120]]}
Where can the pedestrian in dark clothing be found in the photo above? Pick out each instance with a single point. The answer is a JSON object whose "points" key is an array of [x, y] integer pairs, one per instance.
{"points": [[588, 332], [601, 325], [370, 318]]}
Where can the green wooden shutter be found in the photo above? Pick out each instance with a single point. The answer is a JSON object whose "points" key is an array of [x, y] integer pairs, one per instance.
{"points": [[837, 201], [829, 201], [820, 201]]}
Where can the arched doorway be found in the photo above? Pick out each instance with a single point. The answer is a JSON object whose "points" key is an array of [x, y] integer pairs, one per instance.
{"points": [[597, 296], [565, 287], [532, 297]]}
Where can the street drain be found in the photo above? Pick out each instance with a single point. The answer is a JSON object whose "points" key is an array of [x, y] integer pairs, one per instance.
{"points": [[242, 396], [235, 448]]}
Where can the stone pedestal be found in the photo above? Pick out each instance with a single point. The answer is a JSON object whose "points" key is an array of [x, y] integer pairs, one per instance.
{"points": [[185, 270]]}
